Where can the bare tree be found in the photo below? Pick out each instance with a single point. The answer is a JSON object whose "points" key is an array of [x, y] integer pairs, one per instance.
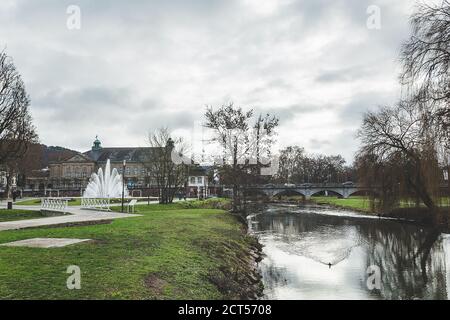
{"points": [[244, 146], [168, 175], [16, 128], [295, 166]]}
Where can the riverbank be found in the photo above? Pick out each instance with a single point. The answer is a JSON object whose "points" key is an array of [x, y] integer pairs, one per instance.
{"points": [[169, 252], [359, 204], [419, 215]]}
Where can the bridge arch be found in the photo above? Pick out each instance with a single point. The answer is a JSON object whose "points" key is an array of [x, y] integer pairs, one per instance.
{"points": [[256, 193], [363, 192], [332, 192], [279, 193]]}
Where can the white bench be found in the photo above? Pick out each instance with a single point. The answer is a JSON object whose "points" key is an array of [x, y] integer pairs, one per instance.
{"points": [[57, 205], [131, 205], [98, 204]]}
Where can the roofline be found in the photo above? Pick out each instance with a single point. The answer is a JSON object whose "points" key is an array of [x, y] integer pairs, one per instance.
{"points": [[121, 148]]}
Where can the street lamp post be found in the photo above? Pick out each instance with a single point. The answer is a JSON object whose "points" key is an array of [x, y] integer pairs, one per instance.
{"points": [[123, 181]]}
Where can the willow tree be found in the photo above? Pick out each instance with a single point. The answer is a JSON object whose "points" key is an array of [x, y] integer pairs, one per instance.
{"points": [[398, 156], [426, 70], [406, 147]]}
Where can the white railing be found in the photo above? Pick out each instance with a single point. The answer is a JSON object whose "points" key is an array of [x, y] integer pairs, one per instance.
{"points": [[51, 204], [95, 204], [130, 206]]}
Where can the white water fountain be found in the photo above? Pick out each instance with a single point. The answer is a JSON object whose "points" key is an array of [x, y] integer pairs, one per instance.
{"points": [[105, 184]]}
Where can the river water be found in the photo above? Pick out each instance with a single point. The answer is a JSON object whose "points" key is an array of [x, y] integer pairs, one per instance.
{"points": [[314, 252]]}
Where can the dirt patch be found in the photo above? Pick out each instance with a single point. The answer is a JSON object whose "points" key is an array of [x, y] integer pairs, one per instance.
{"points": [[155, 283], [99, 242]]}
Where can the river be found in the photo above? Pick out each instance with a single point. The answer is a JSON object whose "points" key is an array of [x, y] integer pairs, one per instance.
{"points": [[314, 252]]}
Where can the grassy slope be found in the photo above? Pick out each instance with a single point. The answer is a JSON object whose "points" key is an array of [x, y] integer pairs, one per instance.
{"points": [[175, 250], [14, 215]]}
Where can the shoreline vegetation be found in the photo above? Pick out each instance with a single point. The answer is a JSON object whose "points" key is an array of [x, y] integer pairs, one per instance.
{"points": [[407, 211], [185, 250]]}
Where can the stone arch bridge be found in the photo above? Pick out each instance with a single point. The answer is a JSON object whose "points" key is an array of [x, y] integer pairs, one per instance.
{"points": [[308, 191]]}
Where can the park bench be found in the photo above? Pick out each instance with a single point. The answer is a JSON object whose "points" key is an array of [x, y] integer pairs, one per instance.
{"points": [[56, 205]]}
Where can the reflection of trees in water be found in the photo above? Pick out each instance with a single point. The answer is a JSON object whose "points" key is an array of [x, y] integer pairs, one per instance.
{"points": [[273, 275], [291, 225], [412, 260], [326, 240]]}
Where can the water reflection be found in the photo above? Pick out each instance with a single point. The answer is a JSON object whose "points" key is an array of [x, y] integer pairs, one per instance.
{"points": [[318, 253]]}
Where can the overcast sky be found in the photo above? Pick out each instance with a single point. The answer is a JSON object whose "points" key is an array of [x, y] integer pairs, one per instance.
{"points": [[138, 65]]}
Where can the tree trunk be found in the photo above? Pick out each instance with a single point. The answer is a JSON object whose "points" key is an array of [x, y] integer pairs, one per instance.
{"points": [[8, 185], [448, 180], [235, 198], [420, 187]]}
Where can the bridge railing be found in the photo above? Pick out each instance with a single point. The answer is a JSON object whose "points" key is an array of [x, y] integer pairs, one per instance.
{"points": [[305, 186]]}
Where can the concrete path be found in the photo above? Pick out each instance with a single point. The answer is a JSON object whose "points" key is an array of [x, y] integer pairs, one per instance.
{"points": [[77, 215]]}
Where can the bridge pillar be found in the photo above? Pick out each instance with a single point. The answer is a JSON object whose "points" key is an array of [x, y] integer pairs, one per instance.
{"points": [[345, 193], [307, 193]]}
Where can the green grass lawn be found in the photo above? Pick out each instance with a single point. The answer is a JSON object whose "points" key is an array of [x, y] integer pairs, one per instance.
{"points": [[357, 203], [37, 202], [363, 203], [168, 253], [13, 215], [30, 202]]}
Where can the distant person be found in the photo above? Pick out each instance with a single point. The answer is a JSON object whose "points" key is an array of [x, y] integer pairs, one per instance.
{"points": [[14, 195]]}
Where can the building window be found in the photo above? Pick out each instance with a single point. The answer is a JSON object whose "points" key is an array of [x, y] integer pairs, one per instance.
{"points": [[192, 180], [200, 180]]}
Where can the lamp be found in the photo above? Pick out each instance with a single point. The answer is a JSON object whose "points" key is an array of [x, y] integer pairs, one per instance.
{"points": [[123, 181]]}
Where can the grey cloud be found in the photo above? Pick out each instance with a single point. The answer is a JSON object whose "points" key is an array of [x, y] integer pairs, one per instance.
{"points": [[351, 114], [138, 65], [345, 74]]}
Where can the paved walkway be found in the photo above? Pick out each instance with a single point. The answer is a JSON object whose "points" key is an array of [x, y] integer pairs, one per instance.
{"points": [[77, 215]]}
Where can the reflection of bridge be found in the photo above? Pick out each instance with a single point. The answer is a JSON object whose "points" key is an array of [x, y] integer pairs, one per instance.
{"points": [[308, 191]]}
